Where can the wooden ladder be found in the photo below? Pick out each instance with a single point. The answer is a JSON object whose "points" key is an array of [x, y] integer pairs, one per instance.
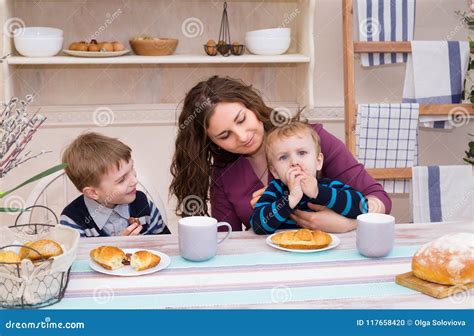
{"points": [[350, 48]]}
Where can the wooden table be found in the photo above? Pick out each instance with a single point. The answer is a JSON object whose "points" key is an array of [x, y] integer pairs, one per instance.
{"points": [[247, 273]]}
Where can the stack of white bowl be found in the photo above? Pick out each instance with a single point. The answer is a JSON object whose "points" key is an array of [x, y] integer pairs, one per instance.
{"points": [[38, 41], [274, 41]]}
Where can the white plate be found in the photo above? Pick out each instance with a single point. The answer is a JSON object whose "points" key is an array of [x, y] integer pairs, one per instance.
{"points": [[95, 53], [128, 270], [335, 242]]}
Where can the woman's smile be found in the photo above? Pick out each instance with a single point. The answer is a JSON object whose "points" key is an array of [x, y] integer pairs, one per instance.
{"points": [[250, 142]]}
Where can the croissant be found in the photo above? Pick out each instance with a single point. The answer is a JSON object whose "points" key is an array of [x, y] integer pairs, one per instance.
{"points": [[9, 257], [142, 260], [47, 248], [302, 239], [109, 257]]}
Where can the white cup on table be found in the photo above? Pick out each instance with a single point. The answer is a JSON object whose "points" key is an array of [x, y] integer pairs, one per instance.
{"points": [[198, 237], [375, 234]]}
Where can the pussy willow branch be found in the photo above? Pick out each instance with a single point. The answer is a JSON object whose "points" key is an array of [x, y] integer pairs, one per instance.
{"points": [[16, 131]]}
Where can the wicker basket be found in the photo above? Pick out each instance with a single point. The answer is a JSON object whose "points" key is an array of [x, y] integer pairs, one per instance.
{"points": [[41, 283]]}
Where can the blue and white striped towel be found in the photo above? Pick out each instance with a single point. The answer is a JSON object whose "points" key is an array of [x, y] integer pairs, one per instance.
{"points": [[385, 20], [435, 75], [386, 137], [442, 193]]}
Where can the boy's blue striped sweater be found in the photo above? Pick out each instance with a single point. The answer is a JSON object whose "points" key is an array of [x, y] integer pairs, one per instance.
{"points": [[272, 211]]}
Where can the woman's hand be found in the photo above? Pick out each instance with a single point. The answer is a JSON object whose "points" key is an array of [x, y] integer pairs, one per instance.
{"points": [[324, 219], [256, 196]]}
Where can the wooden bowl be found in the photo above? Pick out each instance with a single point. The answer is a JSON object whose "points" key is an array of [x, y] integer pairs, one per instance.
{"points": [[155, 47]]}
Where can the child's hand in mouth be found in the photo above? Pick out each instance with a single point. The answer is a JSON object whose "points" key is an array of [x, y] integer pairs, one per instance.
{"points": [[309, 185], [293, 177], [299, 172]]}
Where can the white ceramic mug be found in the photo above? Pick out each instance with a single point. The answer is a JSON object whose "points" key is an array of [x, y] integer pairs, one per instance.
{"points": [[198, 237], [375, 234]]}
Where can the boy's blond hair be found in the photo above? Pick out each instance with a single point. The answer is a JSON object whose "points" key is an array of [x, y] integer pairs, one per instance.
{"points": [[294, 128], [90, 156]]}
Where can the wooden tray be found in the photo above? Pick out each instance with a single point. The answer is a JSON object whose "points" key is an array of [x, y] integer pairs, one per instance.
{"points": [[429, 288]]}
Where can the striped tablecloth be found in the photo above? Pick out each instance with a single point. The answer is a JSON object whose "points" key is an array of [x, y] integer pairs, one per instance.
{"points": [[249, 274]]}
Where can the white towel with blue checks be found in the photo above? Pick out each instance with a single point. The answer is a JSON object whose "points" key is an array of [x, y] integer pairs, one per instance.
{"points": [[385, 20], [386, 137], [442, 193], [435, 75]]}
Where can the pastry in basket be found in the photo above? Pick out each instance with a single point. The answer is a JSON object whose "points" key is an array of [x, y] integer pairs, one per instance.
{"points": [[109, 257], [9, 257], [448, 260], [142, 260], [47, 248], [302, 239]]}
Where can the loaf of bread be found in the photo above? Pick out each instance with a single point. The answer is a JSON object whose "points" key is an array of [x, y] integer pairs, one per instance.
{"points": [[302, 239], [47, 248], [448, 260], [9, 257], [142, 260], [109, 257]]}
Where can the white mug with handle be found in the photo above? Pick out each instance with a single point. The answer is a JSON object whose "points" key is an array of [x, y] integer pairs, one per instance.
{"points": [[198, 237]]}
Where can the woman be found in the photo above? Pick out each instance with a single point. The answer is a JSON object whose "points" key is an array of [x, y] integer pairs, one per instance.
{"points": [[220, 157]]}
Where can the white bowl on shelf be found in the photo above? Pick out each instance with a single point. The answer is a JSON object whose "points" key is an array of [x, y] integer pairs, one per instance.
{"points": [[272, 32], [38, 41], [267, 45], [38, 32]]}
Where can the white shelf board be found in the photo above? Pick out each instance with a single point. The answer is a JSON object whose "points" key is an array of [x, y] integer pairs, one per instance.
{"points": [[172, 59]]}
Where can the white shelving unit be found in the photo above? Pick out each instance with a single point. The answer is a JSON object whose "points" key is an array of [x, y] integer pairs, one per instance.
{"points": [[172, 59], [303, 60]]}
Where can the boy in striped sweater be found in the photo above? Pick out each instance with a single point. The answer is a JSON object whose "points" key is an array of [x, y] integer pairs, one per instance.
{"points": [[102, 169], [294, 159]]}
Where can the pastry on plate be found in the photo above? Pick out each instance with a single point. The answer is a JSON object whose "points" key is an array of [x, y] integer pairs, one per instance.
{"points": [[109, 257], [302, 239], [142, 260]]}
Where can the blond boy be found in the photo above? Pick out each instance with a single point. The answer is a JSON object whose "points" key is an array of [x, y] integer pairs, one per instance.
{"points": [[294, 159]]}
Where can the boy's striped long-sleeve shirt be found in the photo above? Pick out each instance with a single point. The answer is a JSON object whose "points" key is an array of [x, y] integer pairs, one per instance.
{"points": [[272, 211]]}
